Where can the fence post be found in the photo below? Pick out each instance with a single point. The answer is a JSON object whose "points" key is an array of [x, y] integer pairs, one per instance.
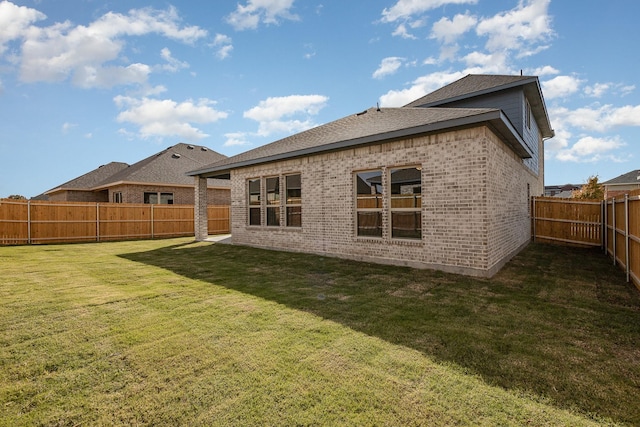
{"points": [[605, 227], [615, 232], [97, 222], [626, 233], [29, 222], [533, 217], [152, 220]]}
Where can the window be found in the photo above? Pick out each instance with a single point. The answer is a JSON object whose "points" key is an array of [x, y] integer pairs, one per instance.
{"points": [[166, 198], [253, 186], [267, 205], [293, 202], [273, 201], [158, 198], [369, 203], [117, 197], [406, 203], [151, 198], [527, 113]]}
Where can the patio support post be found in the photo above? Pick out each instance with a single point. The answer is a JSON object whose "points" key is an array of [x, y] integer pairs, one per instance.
{"points": [[201, 223]]}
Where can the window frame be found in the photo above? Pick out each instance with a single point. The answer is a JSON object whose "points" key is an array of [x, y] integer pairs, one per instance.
{"points": [[416, 209], [272, 206], [254, 206], [368, 211], [295, 207], [117, 197]]}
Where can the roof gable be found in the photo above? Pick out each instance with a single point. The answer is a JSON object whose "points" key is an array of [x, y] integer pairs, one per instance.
{"points": [[477, 85]]}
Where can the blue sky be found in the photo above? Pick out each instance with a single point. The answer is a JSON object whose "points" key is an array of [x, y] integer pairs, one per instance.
{"points": [[84, 83]]}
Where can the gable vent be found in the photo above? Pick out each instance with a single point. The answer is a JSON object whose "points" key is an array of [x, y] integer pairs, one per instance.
{"points": [[175, 155]]}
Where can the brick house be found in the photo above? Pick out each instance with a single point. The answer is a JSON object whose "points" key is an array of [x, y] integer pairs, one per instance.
{"points": [[621, 185], [443, 182], [160, 178]]}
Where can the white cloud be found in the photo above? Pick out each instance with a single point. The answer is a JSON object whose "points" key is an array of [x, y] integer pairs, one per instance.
{"points": [[449, 30], [406, 9], [255, 12], [518, 28], [561, 86], [272, 112], [401, 31], [236, 139], [166, 117], [544, 71], [590, 149], [599, 119], [66, 127], [60, 51], [388, 66], [420, 87], [15, 21], [172, 64], [223, 45]]}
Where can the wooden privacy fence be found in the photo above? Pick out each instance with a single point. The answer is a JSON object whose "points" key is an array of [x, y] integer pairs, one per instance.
{"points": [[33, 222], [613, 225], [622, 236]]}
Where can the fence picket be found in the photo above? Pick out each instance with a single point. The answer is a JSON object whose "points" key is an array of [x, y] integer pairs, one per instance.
{"points": [[34, 222], [611, 224]]}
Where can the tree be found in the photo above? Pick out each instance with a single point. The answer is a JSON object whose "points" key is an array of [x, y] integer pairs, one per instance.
{"points": [[16, 197], [591, 190]]}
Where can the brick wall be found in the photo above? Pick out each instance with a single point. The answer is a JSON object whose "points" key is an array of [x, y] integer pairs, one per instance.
{"points": [[134, 193], [474, 208]]}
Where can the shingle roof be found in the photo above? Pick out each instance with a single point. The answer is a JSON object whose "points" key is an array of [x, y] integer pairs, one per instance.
{"points": [[167, 167], [468, 86], [370, 126], [91, 179], [474, 85], [632, 177]]}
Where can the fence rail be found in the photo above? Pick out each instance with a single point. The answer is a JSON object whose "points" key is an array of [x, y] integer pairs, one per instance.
{"points": [[613, 225], [34, 222]]}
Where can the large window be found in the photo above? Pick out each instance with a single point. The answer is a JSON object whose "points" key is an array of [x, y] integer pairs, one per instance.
{"points": [[273, 201], [293, 202], [401, 215], [406, 203], [254, 201], [369, 203], [266, 203]]}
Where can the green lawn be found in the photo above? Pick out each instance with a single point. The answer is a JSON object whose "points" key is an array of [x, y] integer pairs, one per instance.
{"points": [[171, 332]]}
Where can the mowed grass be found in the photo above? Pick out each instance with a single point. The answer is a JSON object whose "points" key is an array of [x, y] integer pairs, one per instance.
{"points": [[172, 332]]}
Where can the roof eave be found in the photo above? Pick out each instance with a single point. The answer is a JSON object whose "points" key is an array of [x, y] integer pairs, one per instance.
{"points": [[500, 124]]}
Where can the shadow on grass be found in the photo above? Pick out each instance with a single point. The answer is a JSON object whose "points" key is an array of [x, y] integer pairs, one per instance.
{"points": [[557, 322]]}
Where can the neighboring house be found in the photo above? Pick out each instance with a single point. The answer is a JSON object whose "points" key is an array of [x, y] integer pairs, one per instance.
{"points": [[443, 182], [561, 191], [621, 185], [160, 179]]}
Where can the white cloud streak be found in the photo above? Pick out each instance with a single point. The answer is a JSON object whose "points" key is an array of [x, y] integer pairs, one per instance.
{"points": [[287, 114], [406, 9], [388, 66], [256, 12], [167, 118]]}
